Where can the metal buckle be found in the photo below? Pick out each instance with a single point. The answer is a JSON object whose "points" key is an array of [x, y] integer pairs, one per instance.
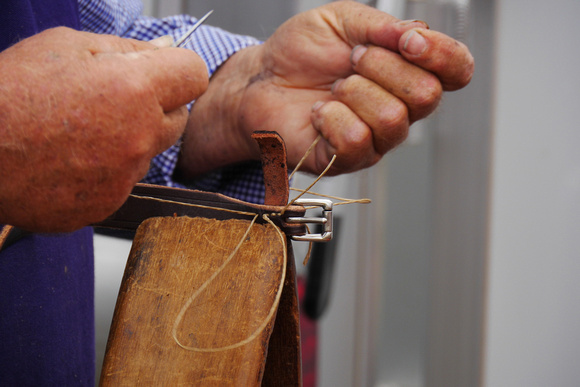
{"points": [[325, 220]]}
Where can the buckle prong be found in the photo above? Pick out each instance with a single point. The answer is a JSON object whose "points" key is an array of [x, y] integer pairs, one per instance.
{"points": [[325, 220]]}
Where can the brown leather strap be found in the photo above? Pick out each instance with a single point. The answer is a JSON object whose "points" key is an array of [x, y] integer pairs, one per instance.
{"points": [[148, 201], [273, 156]]}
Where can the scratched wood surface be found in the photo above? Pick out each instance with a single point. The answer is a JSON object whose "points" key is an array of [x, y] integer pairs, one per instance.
{"points": [[170, 259]]}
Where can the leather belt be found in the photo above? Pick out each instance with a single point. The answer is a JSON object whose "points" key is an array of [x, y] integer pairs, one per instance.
{"points": [[147, 201]]}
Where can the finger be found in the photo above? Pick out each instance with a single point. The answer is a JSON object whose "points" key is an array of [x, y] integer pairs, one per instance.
{"points": [[162, 41], [360, 24], [419, 89], [175, 76], [346, 136], [157, 133], [447, 58], [172, 127], [101, 44], [385, 114]]}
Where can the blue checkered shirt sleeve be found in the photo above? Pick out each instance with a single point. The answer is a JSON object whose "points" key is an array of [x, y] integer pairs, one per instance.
{"points": [[123, 18]]}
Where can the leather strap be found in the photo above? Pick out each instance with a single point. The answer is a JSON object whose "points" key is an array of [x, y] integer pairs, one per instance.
{"points": [[148, 201], [273, 156]]}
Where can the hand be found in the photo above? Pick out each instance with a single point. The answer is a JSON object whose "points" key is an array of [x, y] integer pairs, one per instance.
{"points": [[349, 72], [82, 116]]}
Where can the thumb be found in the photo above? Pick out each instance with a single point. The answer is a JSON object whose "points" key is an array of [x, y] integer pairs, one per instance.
{"points": [[357, 23], [176, 76], [162, 41]]}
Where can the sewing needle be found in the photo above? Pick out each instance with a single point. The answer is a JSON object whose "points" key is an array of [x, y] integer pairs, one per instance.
{"points": [[192, 30]]}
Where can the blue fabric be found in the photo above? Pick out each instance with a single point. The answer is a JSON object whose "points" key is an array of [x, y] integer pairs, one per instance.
{"points": [[243, 181]]}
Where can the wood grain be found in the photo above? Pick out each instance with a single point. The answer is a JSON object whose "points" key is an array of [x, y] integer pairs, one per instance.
{"points": [[170, 259]]}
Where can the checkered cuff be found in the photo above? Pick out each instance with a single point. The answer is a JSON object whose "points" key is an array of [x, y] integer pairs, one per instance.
{"points": [[244, 181]]}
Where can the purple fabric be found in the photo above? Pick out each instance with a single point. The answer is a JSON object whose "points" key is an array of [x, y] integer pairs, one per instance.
{"points": [[47, 311], [20, 19], [46, 281]]}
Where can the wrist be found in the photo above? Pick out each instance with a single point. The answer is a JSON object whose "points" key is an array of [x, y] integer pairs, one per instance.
{"points": [[216, 134]]}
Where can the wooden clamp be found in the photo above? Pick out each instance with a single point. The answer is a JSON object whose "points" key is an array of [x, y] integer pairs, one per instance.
{"points": [[190, 298]]}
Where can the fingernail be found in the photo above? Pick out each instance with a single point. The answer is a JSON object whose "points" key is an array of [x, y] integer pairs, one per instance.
{"points": [[356, 53], [415, 43], [162, 41], [335, 85], [317, 106], [412, 21]]}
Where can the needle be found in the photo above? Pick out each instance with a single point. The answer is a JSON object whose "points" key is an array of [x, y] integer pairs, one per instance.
{"points": [[192, 30]]}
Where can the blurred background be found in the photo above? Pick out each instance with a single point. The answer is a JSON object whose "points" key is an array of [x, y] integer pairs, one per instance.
{"points": [[465, 269]]}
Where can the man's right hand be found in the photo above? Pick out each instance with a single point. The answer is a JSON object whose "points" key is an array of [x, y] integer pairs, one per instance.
{"points": [[81, 116]]}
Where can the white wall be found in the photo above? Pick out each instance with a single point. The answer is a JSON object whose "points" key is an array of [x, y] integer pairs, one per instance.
{"points": [[533, 316]]}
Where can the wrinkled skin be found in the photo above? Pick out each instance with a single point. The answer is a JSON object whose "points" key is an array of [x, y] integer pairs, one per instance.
{"points": [[81, 117], [351, 73]]}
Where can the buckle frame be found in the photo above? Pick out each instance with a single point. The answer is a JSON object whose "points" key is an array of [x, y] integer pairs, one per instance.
{"points": [[325, 220]]}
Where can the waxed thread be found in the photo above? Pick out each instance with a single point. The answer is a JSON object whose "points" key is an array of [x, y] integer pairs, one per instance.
{"points": [[308, 151], [309, 251], [311, 185], [273, 309], [341, 201], [307, 190], [276, 302], [194, 205]]}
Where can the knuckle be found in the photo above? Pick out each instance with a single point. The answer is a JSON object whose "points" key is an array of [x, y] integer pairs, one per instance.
{"points": [[59, 30], [358, 137], [394, 129], [139, 148], [428, 94], [343, 87], [394, 115]]}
